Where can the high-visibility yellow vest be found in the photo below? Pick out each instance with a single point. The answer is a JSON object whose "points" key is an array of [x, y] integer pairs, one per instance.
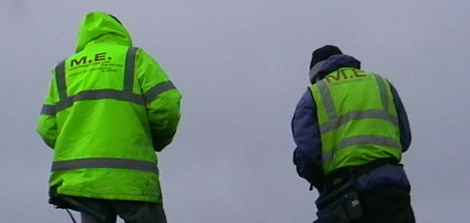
{"points": [[357, 118]]}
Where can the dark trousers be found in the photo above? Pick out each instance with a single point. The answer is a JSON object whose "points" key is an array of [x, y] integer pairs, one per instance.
{"points": [[380, 205], [129, 211], [386, 205]]}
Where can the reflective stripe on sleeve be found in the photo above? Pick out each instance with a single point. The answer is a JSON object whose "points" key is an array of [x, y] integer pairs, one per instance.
{"points": [[155, 91], [48, 110], [113, 163]]}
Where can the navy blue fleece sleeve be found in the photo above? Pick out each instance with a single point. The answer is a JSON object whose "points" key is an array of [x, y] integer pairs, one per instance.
{"points": [[306, 133], [405, 132]]}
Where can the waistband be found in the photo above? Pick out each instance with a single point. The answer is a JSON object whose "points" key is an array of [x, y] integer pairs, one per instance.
{"points": [[344, 175]]}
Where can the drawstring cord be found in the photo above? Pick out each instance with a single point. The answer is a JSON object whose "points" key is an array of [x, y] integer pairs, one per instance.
{"points": [[71, 216]]}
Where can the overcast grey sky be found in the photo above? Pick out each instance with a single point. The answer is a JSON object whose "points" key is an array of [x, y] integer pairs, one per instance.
{"points": [[241, 67]]}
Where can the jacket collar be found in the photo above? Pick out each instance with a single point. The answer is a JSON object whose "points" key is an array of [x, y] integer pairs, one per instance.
{"points": [[335, 62]]}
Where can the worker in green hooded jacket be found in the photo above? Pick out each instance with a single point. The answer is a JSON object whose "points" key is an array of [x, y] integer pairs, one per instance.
{"points": [[108, 109]]}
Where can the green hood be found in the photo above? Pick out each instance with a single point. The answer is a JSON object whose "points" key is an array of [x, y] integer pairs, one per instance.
{"points": [[101, 27]]}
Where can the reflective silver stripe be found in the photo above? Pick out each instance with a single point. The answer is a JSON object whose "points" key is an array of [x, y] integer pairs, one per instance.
{"points": [[313, 74], [99, 94], [383, 92], [356, 115], [361, 140], [60, 78], [123, 95], [61, 87], [130, 68], [335, 122], [113, 163], [48, 110], [155, 91], [109, 94], [327, 100]]}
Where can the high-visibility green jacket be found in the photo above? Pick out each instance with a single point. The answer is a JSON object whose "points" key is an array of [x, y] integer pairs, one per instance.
{"points": [[355, 130], [108, 109]]}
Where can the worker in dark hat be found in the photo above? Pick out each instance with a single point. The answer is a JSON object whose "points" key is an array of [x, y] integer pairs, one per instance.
{"points": [[350, 128]]}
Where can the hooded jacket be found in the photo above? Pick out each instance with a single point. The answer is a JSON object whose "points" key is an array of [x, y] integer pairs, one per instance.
{"points": [[305, 129], [109, 107]]}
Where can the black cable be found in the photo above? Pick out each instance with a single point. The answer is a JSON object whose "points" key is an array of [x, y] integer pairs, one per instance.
{"points": [[83, 208], [71, 216]]}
